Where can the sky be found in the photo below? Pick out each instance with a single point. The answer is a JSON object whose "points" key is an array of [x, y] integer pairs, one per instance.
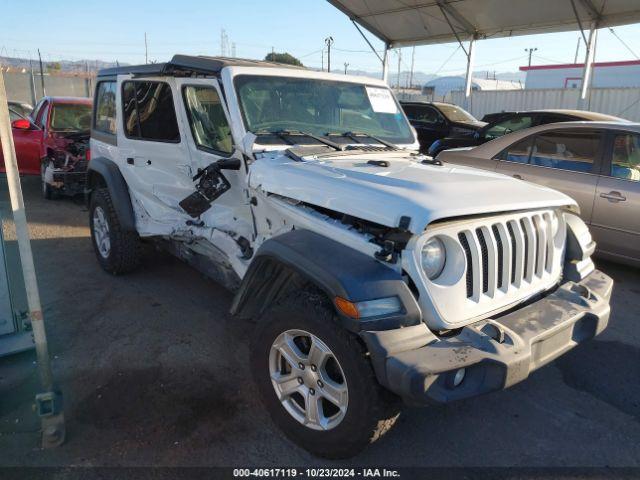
{"points": [[114, 30]]}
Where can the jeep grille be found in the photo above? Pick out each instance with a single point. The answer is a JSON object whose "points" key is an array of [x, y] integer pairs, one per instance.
{"points": [[509, 253]]}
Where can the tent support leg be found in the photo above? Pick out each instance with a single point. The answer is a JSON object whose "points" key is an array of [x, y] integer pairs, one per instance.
{"points": [[587, 72], [48, 403], [469, 77], [385, 64]]}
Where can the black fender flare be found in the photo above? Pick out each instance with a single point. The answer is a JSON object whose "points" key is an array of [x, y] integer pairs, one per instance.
{"points": [[106, 169], [336, 269]]}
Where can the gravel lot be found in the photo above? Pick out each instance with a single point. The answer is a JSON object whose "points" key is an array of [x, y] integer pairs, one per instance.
{"points": [[154, 372]]}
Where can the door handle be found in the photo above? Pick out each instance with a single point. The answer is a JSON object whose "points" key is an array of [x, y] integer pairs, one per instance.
{"points": [[130, 160], [519, 177], [614, 196]]}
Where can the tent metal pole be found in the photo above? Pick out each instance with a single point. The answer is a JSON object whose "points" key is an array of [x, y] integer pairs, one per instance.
{"points": [[384, 59], [587, 72], [469, 77], [48, 403], [385, 63]]}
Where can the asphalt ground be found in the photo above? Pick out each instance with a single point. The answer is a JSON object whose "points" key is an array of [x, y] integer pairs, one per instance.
{"points": [[154, 371]]}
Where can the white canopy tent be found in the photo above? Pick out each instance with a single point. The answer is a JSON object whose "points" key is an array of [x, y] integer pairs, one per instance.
{"points": [[401, 23]]}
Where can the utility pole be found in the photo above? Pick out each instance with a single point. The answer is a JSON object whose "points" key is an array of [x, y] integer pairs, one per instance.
{"points": [[223, 43], [322, 53], [34, 95], [345, 67], [413, 62], [399, 52], [530, 50], [233, 49], [44, 92], [146, 49], [575, 59], [88, 79], [328, 41]]}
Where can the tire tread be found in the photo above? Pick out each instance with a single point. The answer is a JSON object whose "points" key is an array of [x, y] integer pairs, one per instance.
{"points": [[125, 245]]}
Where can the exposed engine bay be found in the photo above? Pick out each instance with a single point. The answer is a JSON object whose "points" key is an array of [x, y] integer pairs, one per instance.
{"points": [[65, 166]]}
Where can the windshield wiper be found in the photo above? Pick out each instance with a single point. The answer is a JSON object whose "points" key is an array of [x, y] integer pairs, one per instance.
{"points": [[285, 134], [357, 137]]}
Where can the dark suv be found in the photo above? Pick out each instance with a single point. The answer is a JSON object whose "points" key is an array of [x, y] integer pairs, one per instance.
{"points": [[435, 120], [513, 121]]}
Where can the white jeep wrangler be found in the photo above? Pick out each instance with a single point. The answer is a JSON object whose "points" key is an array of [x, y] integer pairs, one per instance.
{"points": [[373, 273]]}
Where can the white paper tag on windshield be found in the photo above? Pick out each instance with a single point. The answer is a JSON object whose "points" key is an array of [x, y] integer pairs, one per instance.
{"points": [[381, 100]]}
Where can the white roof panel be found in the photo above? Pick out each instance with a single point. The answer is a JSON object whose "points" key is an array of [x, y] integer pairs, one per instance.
{"points": [[421, 22]]}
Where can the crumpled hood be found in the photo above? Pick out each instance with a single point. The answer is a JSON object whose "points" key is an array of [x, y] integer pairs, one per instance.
{"points": [[426, 193]]}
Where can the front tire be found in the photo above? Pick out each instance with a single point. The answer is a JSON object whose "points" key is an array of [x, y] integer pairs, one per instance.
{"points": [[117, 250], [315, 379], [48, 191]]}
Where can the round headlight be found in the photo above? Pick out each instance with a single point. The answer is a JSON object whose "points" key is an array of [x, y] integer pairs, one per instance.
{"points": [[433, 257]]}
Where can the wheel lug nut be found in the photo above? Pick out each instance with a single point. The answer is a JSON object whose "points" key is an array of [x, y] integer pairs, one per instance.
{"points": [[300, 381], [312, 391], [313, 368], [301, 366], [320, 384]]}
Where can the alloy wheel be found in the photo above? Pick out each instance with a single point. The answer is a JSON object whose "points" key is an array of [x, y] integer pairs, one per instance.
{"points": [[101, 232], [308, 380]]}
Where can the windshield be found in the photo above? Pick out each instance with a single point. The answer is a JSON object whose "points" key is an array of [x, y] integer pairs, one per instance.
{"points": [[320, 107], [70, 117], [456, 114]]}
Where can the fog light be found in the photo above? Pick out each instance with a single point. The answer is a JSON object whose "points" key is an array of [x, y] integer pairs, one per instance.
{"points": [[459, 377]]}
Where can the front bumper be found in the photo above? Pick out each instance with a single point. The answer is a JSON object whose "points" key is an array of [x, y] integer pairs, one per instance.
{"points": [[495, 353], [71, 182]]}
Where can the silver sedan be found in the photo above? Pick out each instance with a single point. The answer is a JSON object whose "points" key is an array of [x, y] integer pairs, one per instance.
{"points": [[596, 163]]}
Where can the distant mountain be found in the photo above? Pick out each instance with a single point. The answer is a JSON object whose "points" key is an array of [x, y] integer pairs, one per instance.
{"points": [[419, 78], [58, 65]]}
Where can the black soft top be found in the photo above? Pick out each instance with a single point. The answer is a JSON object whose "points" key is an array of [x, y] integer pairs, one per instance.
{"points": [[186, 65]]}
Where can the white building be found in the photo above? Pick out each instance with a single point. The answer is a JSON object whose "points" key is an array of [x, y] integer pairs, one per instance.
{"points": [[440, 87], [605, 75]]}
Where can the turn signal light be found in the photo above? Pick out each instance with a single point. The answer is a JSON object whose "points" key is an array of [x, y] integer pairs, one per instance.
{"points": [[369, 308], [348, 308]]}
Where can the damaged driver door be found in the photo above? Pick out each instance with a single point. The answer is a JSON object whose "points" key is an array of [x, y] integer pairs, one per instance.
{"points": [[218, 196]]}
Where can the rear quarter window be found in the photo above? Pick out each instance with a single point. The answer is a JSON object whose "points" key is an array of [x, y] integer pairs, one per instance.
{"points": [[105, 109], [149, 112]]}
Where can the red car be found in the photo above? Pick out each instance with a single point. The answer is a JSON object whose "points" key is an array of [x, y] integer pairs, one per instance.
{"points": [[47, 129]]}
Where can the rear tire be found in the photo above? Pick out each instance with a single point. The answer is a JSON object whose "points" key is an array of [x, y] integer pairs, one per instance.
{"points": [[369, 410], [118, 251]]}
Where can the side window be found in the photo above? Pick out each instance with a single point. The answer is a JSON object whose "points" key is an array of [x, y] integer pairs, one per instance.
{"points": [[427, 115], [518, 152], [34, 113], [410, 111], [508, 125], [149, 112], [41, 119], [568, 150], [208, 123], [625, 158], [105, 109]]}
